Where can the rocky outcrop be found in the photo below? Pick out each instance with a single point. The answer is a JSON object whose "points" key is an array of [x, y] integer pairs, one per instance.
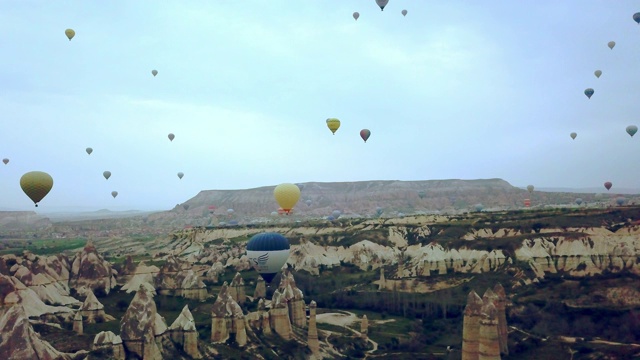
{"points": [[259, 320], [111, 341], [287, 294], [89, 270], [77, 324], [471, 327], [92, 310], [49, 290], [236, 289], [20, 341], [227, 318], [140, 325], [143, 275], [484, 331], [312, 333], [216, 270], [489, 340], [364, 327], [501, 304], [261, 289], [177, 278], [183, 332], [12, 292]]}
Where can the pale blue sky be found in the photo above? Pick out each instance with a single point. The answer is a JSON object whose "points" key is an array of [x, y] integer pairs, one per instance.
{"points": [[456, 89]]}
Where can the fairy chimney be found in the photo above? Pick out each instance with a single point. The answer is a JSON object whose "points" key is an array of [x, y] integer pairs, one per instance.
{"points": [[312, 340], [261, 289], [77, 323], [279, 316], [364, 327], [293, 297], [236, 289], [489, 348], [381, 283], [500, 304], [109, 340], [183, 332], [227, 318], [471, 327]]}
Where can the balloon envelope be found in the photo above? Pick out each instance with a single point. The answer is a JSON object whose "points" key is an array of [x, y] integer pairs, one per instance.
{"points": [[573, 135], [180, 175], [308, 202], [89, 150], [267, 253], [336, 214], [479, 207], [620, 200], [611, 44], [114, 194], [608, 185], [333, 124], [106, 174], [36, 184], [70, 33], [356, 15], [382, 4], [589, 92], [154, 72], [530, 188], [5, 161], [404, 12], [287, 195], [636, 17], [185, 206], [171, 137], [597, 73], [364, 134], [579, 201], [632, 130]]}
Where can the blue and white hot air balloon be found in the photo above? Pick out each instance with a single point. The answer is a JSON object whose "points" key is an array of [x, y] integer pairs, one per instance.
{"points": [[267, 253]]}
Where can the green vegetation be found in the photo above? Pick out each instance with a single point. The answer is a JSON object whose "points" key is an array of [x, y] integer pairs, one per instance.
{"points": [[43, 246]]}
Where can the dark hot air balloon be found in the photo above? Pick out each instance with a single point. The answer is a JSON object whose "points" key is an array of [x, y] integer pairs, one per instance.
{"points": [[267, 253]]}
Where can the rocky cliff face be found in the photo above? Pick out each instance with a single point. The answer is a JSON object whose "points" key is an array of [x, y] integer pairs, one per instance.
{"points": [[12, 292], [140, 326], [89, 270], [20, 341]]}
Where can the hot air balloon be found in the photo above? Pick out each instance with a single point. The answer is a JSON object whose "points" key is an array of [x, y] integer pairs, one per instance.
{"points": [[422, 194], [573, 135], [333, 124], [180, 175], [579, 201], [356, 15], [336, 214], [611, 44], [281, 211], [230, 211], [70, 33], [5, 161], [597, 73], [589, 92], [608, 185], [330, 218], [154, 72], [308, 202], [620, 201], [636, 17], [106, 174], [287, 195], [267, 253], [185, 206], [632, 130], [274, 213], [527, 202], [89, 150], [171, 137], [479, 207], [114, 194], [300, 186], [364, 134], [212, 209], [36, 184], [404, 12], [382, 4], [530, 188], [379, 211]]}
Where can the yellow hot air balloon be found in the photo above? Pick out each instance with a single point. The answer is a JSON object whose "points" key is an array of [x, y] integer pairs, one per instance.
{"points": [[287, 195], [333, 124], [36, 184], [70, 33]]}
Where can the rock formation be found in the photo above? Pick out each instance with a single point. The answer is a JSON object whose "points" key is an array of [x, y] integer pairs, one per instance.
{"points": [[213, 274], [77, 323], [90, 270], [364, 327], [236, 289], [49, 290], [227, 318], [139, 327], [471, 327], [259, 320], [484, 334], [381, 283], [109, 340], [143, 275], [92, 310], [177, 278], [20, 341], [312, 334], [12, 291], [183, 332], [289, 295], [261, 289]]}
